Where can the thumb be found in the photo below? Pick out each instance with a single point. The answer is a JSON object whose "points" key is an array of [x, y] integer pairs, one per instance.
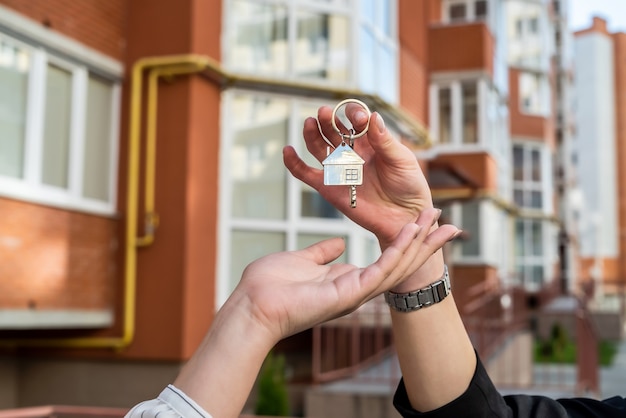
{"points": [[390, 150], [324, 252]]}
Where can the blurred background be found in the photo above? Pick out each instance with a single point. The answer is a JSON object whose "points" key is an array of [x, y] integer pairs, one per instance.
{"points": [[141, 171]]}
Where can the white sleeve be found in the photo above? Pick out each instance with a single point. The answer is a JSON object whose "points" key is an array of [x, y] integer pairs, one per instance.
{"points": [[171, 403]]}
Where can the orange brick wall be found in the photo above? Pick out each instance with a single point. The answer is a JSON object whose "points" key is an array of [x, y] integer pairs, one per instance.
{"points": [[99, 24], [460, 48], [55, 259]]}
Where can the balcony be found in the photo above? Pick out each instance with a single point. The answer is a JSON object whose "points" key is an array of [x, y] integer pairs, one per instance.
{"points": [[461, 47]]}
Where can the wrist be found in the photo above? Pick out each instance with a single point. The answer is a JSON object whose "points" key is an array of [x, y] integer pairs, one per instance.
{"points": [[430, 271]]}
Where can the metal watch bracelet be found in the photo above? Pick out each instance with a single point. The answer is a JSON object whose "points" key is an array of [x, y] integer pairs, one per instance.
{"points": [[418, 299]]}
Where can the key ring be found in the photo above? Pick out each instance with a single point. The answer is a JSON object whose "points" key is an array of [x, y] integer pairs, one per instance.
{"points": [[351, 135]]}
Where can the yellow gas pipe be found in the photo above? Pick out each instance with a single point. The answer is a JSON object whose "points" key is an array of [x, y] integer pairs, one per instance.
{"points": [[158, 66]]}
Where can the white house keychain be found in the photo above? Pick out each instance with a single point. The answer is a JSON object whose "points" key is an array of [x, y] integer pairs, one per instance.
{"points": [[343, 166]]}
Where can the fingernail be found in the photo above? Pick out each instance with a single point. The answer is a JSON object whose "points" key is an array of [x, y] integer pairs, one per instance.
{"points": [[380, 123], [436, 216], [456, 234], [417, 231], [360, 117]]}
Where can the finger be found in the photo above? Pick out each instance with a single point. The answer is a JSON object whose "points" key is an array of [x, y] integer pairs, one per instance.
{"points": [[314, 141], [358, 116], [323, 252], [390, 262], [386, 147], [314, 177], [324, 116]]}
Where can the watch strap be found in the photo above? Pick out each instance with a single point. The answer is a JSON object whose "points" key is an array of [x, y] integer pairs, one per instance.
{"points": [[418, 299]]}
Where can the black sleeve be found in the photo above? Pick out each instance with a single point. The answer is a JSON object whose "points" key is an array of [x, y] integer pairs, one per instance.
{"points": [[481, 399]]}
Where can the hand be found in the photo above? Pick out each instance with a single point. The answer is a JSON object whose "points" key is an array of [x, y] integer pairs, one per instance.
{"points": [[291, 291], [394, 190]]}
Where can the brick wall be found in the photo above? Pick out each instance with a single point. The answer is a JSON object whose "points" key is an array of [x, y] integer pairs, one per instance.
{"points": [[55, 259], [99, 24]]}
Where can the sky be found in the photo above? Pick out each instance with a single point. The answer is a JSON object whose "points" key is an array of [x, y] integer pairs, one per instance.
{"points": [[614, 11]]}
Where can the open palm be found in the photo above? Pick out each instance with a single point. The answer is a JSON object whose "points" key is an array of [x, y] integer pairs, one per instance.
{"points": [[291, 291]]}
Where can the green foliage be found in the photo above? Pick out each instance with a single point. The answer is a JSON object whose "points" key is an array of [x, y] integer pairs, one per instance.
{"points": [[559, 348], [272, 395]]}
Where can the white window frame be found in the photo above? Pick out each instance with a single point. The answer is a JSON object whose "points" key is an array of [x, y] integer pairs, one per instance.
{"points": [[544, 186], [43, 46], [543, 259], [456, 110]]}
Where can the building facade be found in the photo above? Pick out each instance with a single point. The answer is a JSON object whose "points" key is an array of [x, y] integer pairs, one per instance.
{"points": [[599, 148], [141, 164]]}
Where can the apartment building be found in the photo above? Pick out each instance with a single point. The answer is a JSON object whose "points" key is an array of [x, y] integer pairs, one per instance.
{"points": [[599, 148], [141, 165]]}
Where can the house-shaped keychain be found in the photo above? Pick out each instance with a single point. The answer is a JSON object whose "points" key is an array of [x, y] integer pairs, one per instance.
{"points": [[343, 167]]}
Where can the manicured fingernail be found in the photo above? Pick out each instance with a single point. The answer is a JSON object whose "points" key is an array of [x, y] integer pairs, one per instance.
{"points": [[456, 234], [380, 123]]}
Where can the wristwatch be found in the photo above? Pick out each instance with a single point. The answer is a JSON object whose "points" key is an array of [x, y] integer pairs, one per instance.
{"points": [[418, 299]]}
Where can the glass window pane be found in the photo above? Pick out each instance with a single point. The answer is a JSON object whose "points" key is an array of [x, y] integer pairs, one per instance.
{"points": [[535, 158], [458, 11], [247, 246], [518, 163], [14, 68], [369, 10], [387, 78], [518, 197], [306, 240], [470, 222], [367, 60], [536, 199], [537, 238], [97, 158], [386, 23], [537, 275], [480, 9], [519, 238], [470, 113], [259, 178], [322, 46], [445, 115], [259, 38], [56, 143]]}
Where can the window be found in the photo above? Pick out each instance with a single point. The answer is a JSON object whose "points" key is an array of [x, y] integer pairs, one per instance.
{"points": [[529, 253], [470, 112], [533, 93], [445, 115], [58, 128], [15, 63], [480, 9], [378, 49], [316, 41], [458, 12], [465, 10], [315, 46], [470, 223], [263, 208], [533, 25], [455, 112], [528, 177]]}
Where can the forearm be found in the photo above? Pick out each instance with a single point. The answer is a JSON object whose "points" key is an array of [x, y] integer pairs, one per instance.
{"points": [[222, 371], [435, 353]]}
